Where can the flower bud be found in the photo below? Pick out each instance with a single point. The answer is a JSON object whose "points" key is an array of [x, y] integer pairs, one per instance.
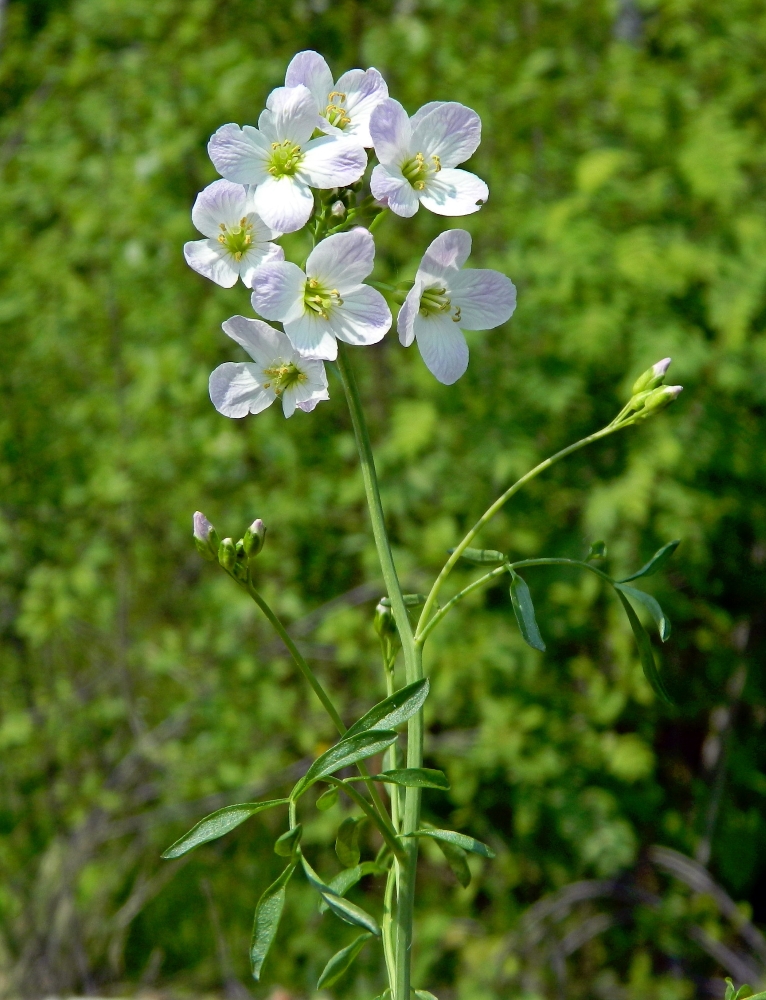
{"points": [[205, 537], [661, 397], [254, 538], [338, 209], [384, 622], [652, 377], [227, 554]]}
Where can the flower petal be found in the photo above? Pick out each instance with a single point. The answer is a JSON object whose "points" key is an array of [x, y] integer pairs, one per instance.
{"points": [[284, 203], [364, 91], [450, 131], [312, 337], [342, 261], [391, 132], [422, 112], [306, 395], [486, 298], [446, 254], [236, 391], [364, 318], [278, 292], [332, 162], [212, 260], [454, 192], [405, 321], [220, 202], [240, 154], [442, 347], [395, 190], [256, 257], [262, 342], [294, 114], [311, 70]]}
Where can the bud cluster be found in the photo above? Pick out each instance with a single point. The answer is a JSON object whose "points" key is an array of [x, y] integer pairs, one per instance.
{"points": [[649, 394], [234, 556]]}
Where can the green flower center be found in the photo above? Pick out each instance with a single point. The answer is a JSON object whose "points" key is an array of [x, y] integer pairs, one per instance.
{"points": [[335, 113], [321, 300], [237, 239], [417, 170], [286, 157], [434, 301], [282, 375]]}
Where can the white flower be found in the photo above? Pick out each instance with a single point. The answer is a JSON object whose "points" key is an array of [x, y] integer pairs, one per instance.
{"points": [[418, 157], [328, 301], [282, 160], [346, 105], [446, 300], [237, 389], [238, 240]]}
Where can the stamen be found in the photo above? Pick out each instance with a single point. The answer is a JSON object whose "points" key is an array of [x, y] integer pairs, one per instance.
{"points": [[282, 375], [323, 300], [238, 238], [417, 170]]}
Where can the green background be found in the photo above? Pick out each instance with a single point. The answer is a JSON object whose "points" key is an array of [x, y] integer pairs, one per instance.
{"points": [[624, 147]]}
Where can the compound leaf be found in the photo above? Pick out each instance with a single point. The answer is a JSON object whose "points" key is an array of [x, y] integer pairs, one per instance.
{"points": [[394, 710], [217, 824], [342, 961], [524, 610], [267, 916]]}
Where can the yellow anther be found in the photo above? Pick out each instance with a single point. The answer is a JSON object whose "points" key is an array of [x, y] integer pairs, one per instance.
{"points": [[437, 162], [222, 226], [335, 93]]}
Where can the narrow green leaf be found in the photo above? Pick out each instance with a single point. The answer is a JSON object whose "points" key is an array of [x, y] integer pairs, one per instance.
{"points": [[647, 601], [346, 752], [217, 824], [740, 994], [349, 912], [267, 916], [424, 995], [348, 878], [327, 799], [287, 843], [414, 777], [457, 859], [342, 961], [469, 844], [645, 651], [394, 710], [482, 557], [656, 563], [347, 841], [525, 612]]}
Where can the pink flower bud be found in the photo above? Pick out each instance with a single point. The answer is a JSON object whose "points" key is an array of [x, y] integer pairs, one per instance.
{"points": [[205, 537]]}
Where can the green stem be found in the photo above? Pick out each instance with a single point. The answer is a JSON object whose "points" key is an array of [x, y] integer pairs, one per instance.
{"points": [[311, 677], [459, 597], [387, 831], [413, 669], [376, 221], [493, 509]]}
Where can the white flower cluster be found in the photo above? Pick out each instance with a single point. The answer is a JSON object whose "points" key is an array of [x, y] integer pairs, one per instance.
{"points": [[303, 165]]}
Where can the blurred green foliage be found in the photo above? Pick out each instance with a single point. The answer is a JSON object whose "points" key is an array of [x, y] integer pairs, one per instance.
{"points": [[625, 147]]}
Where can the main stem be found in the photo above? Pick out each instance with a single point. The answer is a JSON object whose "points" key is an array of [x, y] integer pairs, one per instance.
{"points": [[413, 668]]}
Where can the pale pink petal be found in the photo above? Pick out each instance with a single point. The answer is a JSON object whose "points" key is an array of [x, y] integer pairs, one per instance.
{"points": [[422, 112], [240, 154], [312, 336], [486, 298], [235, 390], [307, 405], [332, 162], [447, 254], [311, 70], [364, 91], [394, 190], [262, 342], [220, 202], [279, 290], [442, 347], [342, 261], [450, 131], [260, 254], [405, 321], [211, 259], [284, 203], [294, 114], [454, 192], [364, 318], [390, 132]]}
